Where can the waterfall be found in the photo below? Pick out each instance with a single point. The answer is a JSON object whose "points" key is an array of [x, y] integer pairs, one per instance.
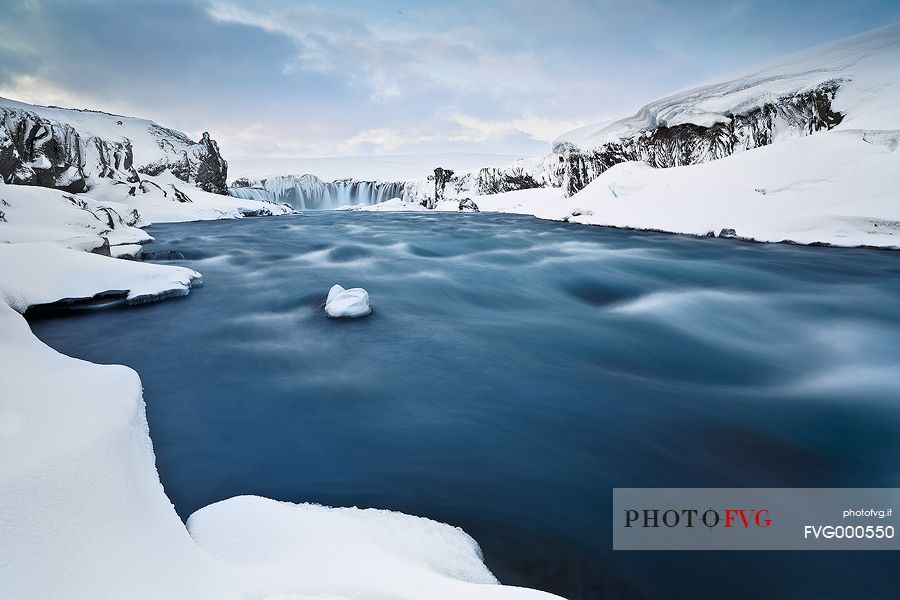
{"points": [[308, 192]]}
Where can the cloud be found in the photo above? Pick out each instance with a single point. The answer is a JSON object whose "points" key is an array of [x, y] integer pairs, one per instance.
{"points": [[35, 90], [474, 129], [380, 76]]}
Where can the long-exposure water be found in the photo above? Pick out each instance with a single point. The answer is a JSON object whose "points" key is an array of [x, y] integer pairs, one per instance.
{"points": [[515, 371]]}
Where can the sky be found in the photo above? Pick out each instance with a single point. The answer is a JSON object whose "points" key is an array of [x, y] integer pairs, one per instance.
{"points": [[363, 77]]}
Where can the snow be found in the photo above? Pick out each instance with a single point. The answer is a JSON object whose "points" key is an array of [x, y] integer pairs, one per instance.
{"points": [[42, 214], [363, 168], [159, 203], [33, 214], [88, 123], [837, 187], [343, 303], [865, 64]]}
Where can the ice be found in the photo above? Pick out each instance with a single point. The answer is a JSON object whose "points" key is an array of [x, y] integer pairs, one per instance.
{"points": [[347, 303]]}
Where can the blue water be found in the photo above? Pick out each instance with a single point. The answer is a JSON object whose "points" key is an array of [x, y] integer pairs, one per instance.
{"points": [[513, 373]]}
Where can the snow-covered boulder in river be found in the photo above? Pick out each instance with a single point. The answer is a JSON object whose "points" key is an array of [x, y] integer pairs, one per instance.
{"points": [[343, 303]]}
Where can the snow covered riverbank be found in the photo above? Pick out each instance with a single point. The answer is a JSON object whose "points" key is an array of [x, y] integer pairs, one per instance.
{"points": [[837, 188], [80, 497], [82, 510]]}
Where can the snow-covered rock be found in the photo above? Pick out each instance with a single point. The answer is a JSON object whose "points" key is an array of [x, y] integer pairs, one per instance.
{"points": [[849, 84], [347, 303], [33, 214], [113, 211], [836, 187], [73, 149]]}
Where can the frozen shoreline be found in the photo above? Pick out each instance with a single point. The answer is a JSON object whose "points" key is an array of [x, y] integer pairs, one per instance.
{"points": [[79, 471]]}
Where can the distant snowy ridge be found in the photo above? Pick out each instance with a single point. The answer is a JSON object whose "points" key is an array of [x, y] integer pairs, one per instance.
{"points": [[73, 149], [849, 84]]}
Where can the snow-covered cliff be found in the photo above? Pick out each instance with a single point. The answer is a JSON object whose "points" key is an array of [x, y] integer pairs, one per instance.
{"points": [[849, 84], [74, 149]]}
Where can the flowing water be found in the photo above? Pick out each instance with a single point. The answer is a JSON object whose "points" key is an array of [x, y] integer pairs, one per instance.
{"points": [[308, 192], [515, 371]]}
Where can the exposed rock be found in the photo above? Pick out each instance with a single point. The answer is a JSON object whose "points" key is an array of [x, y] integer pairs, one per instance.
{"points": [[38, 151], [102, 249], [688, 144], [180, 196], [38, 146], [468, 204], [441, 178], [727, 233], [161, 255]]}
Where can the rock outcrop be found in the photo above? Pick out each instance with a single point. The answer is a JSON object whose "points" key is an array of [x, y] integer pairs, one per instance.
{"points": [[72, 150], [665, 146], [38, 151]]}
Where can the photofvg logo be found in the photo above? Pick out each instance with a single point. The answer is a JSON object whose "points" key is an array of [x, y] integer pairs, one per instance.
{"points": [[693, 517], [754, 518]]}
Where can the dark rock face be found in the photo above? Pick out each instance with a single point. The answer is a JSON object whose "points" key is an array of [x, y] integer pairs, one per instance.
{"points": [[496, 181], [162, 255], [201, 163], [180, 196], [690, 144], [468, 204], [39, 151], [441, 178]]}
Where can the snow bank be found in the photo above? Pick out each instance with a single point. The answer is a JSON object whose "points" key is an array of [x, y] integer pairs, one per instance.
{"points": [[112, 211], [346, 552], [42, 273], [166, 199], [838, 188], [33, 214], [343, 303]]}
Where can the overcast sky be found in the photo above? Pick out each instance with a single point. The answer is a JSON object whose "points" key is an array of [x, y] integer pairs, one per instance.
{"points": [[284, 78]]}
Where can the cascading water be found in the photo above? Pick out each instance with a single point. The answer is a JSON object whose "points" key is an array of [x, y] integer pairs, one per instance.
{"points": [[308, 192]]}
